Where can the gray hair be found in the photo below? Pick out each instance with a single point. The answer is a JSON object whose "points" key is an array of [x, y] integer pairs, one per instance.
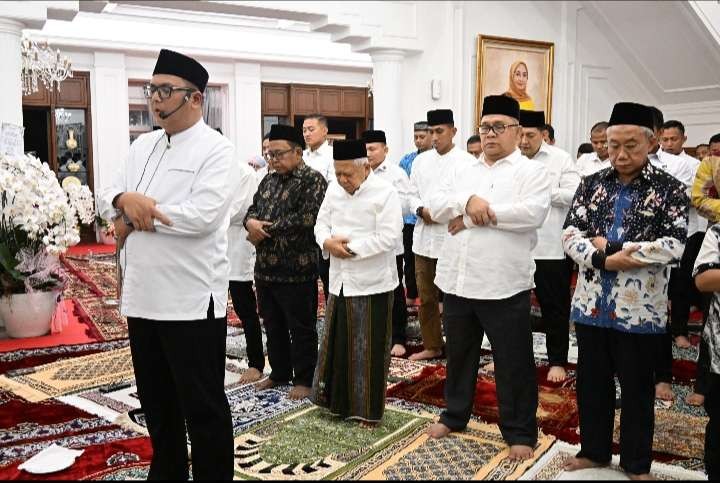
{"points": [[649, 133], [360, 161]]}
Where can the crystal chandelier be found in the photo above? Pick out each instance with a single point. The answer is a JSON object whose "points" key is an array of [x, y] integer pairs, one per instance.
{"points": [[40, 62], [62, 116]]}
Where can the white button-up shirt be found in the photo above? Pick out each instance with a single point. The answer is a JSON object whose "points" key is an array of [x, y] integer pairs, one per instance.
{"points": [[396, 176], [321, 160], [430, 169], [492, 262], [240, 251], [683, 169], [590, 163], [372, 219], [564, 180], [170, 274]]}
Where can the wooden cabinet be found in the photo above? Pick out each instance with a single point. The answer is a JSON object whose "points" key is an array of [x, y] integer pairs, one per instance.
{"points": [[331, 102], [353, 102], [275, 100], [40, 98], [304, 100], [300, 100], [73, 92]]}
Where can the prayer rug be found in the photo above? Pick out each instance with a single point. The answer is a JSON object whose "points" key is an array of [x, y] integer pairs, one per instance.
{"points": [[550, 467], [675, 433], [679, 404], [557, 411], [540, 348], [90, 249], [477, 453], [310, 443], [404, 369], [71, 375], [24, 358], [236, 346]]}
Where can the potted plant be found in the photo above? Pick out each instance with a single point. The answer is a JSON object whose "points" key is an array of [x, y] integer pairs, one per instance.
{"points": [[38, 222], [106, 230]]}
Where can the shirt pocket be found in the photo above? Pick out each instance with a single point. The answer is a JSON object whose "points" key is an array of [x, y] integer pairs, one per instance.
{"points": [[176, 185]]}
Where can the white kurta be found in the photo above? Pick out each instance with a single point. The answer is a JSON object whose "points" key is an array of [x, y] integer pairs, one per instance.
{"points": [[321, 160], [492, 262], [170, 274], [430, 170], [564, 180], [240, 251], [590, 163], [396, 176], [372, 219], [684, 170]]}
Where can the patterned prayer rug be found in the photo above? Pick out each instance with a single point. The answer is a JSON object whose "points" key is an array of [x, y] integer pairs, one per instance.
{"points": [[404, 369], [557, 407], [310, 443], [71, 375], [236, 346], [479, 452], [540, 348], [679, 404], [676, 433], [24, 358], [550, 467]]}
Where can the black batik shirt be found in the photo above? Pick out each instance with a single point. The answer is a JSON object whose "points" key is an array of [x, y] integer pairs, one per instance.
{"points": [[291, 202]]}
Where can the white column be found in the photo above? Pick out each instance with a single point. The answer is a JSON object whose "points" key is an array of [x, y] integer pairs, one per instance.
{"points": [[111, 130], [246, 110], [387, 106], [10, 80]]}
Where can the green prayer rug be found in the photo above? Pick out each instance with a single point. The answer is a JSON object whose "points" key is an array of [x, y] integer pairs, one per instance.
{"points": [[312, 444]]}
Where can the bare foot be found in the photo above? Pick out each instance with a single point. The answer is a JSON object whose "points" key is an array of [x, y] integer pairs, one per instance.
{"points": [[368, 424], [663, 391], [556, 374], [398, 350], [682, 342], [695, 399], [250, 375], [489, 367], [426, 354], [438, 431], [520, 452], [299, 392], [574, 464], [265, 384], [644, 476]]}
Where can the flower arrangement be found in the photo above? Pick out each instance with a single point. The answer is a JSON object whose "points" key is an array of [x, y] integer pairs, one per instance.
{"points": [[38, 221], [106, 227]]}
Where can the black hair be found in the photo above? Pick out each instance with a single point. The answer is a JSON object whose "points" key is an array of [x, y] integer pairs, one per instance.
{"points": [[585, 148], [599, 126], [674, 124], [658, 118], [550, 130], [320, 118], [715, 139], [473, 139]]}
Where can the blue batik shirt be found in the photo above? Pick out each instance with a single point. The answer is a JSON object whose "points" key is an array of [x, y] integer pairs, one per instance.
{"points": [[650, 212], [406, 163]]}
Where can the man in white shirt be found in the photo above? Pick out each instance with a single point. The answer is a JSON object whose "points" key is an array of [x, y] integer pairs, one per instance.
{"points": [[553, 271], [598, 160], [242, 267], [171, 201], [319, 156], [377, 150], [486, 271], [359, 227], [429, 170]]}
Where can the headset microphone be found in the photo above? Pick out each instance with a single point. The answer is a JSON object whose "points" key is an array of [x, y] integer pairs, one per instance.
{"points": [[164, 115]]}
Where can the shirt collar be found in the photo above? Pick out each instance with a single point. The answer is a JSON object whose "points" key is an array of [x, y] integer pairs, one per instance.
{"points": [[511, 158], [320, 150], [186, 134], [363, 186], [381, 167], [645, 174]]}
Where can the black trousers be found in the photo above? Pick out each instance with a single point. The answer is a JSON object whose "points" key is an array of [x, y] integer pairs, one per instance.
{"points": [[508, 327], [289, 314], [683, 292], [602, 353], [552, 288], [409, 258], [712, 430], [245, 305], [399, 310], [180, 372]]}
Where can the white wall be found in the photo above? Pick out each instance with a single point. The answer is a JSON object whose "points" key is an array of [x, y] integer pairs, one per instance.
{"points": [[701, 119]]}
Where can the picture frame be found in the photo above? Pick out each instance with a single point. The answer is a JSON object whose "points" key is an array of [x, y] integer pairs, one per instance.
{"points": [[497, 56]]}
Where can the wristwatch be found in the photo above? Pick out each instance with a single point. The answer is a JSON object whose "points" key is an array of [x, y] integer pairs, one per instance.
{"points": [[419, 211]]}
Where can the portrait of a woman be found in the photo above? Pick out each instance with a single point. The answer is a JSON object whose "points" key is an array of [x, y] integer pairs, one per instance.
{"points": [[518, 85]]}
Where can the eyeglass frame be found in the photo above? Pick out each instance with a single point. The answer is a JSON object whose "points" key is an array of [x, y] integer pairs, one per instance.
{"points": [[498, 129], [278, 154], [149, 88]]}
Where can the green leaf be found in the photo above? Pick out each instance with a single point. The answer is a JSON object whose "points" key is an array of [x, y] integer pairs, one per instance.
{"points": [[9, 262]]}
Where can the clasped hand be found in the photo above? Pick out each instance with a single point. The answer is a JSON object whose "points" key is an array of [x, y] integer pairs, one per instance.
{"points": [[337, 246], [619, 261], [256, 230], [480, 212], [142, 211]]}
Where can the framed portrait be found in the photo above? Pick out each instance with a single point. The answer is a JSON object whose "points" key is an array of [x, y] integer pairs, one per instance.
{"points": [[522, 69]]}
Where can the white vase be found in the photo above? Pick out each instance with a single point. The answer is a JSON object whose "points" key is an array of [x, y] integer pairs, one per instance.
{"points": [[28, 315], [106, 239]]}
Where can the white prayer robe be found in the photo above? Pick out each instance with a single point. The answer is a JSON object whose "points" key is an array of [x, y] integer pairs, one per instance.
{"points": [[564, 180], [684, 169], [430, 170], [396, 176], [372, 219], [321, 160], [170, 274], [590, 163], [492, 262], [240, 251]]}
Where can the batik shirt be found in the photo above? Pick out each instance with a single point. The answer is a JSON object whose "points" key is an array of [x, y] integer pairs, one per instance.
{"points": [[650, 212], [709, 259], [291, 201]]}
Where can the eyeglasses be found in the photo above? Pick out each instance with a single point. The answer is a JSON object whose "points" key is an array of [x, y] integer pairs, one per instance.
{"points": [[164, 91], [278, 154], [496, 128]]}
